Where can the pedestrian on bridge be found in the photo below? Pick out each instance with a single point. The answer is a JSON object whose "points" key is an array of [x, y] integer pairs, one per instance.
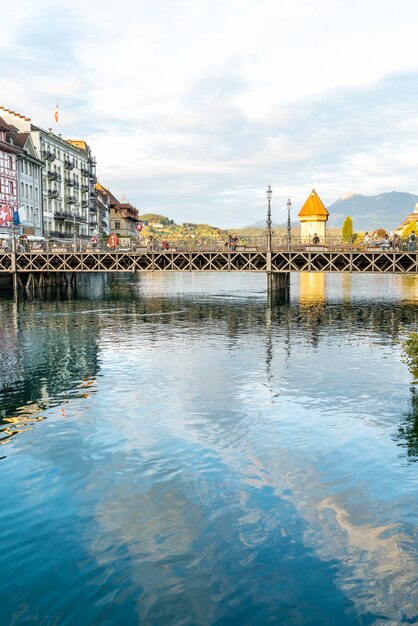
{"points": [[412, 239]]}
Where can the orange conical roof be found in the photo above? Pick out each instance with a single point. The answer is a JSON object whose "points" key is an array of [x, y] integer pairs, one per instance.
{"points": [[313, 206]]}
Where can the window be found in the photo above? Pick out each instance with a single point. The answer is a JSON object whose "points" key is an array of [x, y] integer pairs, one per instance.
{"points": [[11, 188], [117, 224], [10, 163]]}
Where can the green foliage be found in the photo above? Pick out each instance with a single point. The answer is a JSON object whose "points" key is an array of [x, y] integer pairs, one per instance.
{"points": [[407, 434], [408, 229], [155, 218], [347, 230], [410, 354]]}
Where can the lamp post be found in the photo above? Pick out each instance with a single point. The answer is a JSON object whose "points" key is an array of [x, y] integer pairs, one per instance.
{"points": [[76, 206], [269, 193], [289, 232]]}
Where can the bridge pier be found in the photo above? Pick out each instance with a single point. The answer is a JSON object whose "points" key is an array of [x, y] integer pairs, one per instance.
{"points": [[278, 282], [26, 280]]}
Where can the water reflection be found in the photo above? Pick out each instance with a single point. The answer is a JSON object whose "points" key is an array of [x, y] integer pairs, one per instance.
{"points": [[407, 435], [220, 459]]}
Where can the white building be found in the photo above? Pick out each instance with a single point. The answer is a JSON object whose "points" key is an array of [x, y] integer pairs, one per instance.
{"points": [[65, 185]]}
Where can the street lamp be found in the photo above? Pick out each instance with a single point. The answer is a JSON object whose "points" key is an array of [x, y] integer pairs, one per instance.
{"points": [[289, 232], [269, 193], [76, 206]]}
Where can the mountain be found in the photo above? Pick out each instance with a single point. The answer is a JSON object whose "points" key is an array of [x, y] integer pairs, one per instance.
{"points": [[387, 210], [262, 224]]}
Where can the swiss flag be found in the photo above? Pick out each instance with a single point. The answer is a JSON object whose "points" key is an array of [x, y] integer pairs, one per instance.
{"points": [[5, 215]]}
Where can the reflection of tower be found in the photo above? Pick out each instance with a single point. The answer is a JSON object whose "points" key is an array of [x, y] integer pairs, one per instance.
{"points": [[312, 299], [312, 287], [409, 287]]}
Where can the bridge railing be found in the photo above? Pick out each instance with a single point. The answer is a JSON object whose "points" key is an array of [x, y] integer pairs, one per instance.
{"points": [[242, 244]]}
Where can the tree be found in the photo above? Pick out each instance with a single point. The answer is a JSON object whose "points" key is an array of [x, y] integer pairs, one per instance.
{"points": [[410, 354], [347, 232], [408, 229]]}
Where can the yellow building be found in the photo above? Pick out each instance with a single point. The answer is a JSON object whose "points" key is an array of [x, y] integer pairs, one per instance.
{"points": [[313, 217]]}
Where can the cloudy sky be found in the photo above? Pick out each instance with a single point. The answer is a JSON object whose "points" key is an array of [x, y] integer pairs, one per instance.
{"points": [[193, 107]]}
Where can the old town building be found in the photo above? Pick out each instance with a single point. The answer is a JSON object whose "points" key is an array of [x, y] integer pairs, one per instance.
{"points": [[8, 175], [68, 179], [29, 180], [123, 217]]}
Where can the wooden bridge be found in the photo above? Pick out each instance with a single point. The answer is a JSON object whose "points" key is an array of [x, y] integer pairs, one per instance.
{"points": [[44, 267]]}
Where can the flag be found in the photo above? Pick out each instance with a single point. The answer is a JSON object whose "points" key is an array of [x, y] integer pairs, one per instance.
{"points": [[22, 214], [16, 219], [5, 215], [56, 113]]}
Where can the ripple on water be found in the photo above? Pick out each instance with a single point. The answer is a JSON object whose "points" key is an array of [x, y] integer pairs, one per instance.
{"points": [[183, 454]]}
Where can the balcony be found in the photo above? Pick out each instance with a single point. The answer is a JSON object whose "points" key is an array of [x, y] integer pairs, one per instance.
{"points": [[59, 215], [84, 204], [53, 193], [49, 156], [71, 199], [54, 176], [93, 177], [69, 182], [76, 185], [69, 165], [84, 188], [84, 171]]}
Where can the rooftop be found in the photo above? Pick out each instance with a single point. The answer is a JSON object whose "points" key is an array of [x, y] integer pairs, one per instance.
{"points": [[313, 206]]}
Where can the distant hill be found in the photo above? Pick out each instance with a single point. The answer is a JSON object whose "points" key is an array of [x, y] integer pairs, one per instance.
{"points": [[262, 224], [387, 210], [155, 218]]}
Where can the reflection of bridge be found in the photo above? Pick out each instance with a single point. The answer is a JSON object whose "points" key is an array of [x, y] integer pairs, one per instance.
{"points": [[36, 266]]}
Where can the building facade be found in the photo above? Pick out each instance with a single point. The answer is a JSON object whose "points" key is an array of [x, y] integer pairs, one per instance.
{"points": [[29, 181], [123, 216], [102, 210], [90, 194], [65, 186], [8, 171]]}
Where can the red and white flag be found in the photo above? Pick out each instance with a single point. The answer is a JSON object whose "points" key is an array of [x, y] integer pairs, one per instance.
{"points": [[56, 113], [5, 215]]}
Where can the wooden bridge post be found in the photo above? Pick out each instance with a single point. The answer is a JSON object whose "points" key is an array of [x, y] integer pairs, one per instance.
{"points": [[278, 282], [13, 259]]}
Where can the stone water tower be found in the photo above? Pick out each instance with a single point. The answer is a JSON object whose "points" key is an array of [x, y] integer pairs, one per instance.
{"points": [[313, 217]]}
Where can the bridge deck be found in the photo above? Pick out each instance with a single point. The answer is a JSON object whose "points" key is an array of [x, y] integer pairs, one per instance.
{"points": [[198, 261]]}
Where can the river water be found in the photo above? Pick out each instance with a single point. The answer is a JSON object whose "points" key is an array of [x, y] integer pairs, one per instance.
{"points": [[177, 451]]}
